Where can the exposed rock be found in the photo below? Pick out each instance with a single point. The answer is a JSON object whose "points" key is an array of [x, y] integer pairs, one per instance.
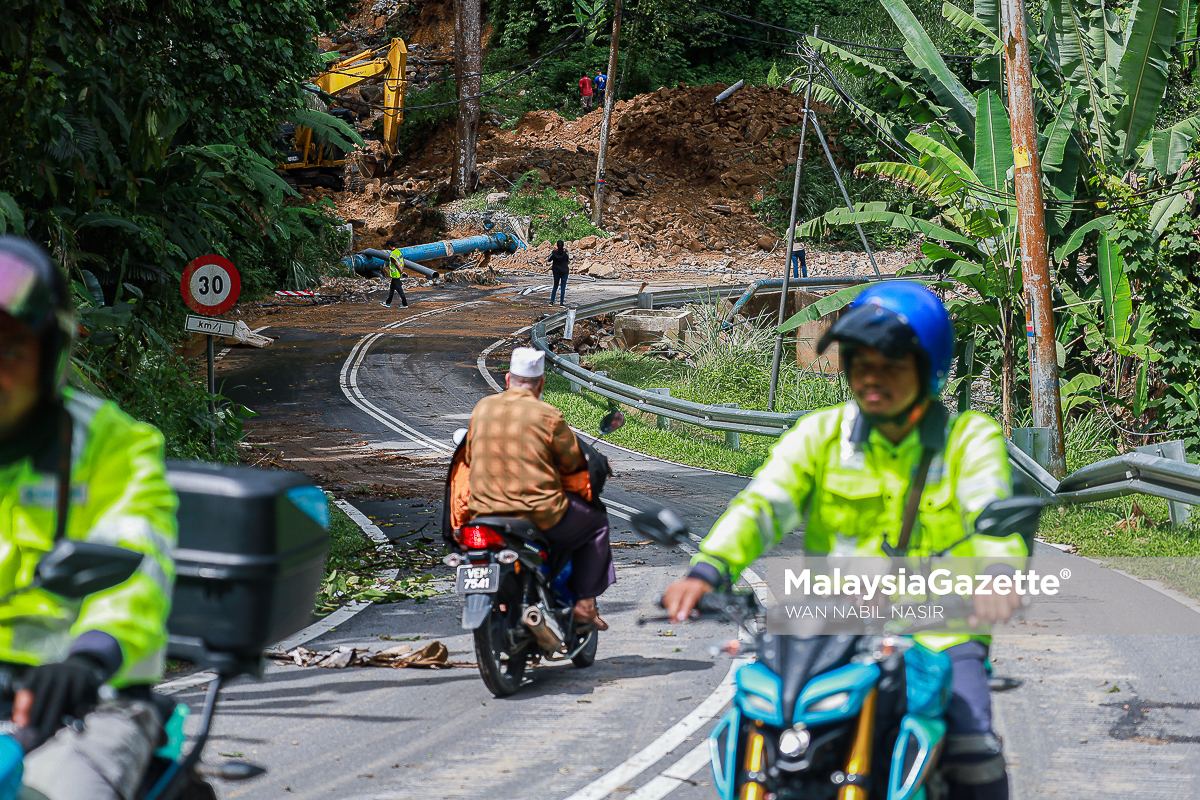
{"points": [[766, 242]]}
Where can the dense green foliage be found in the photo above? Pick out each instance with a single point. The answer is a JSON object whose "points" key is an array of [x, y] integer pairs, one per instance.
{"points": [[139, 135], [1100, 82]]}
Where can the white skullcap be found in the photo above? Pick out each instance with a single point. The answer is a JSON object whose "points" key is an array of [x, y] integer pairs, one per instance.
{"points": [[527, 363]]}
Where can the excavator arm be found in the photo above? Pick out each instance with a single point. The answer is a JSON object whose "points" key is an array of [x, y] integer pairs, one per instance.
{"points": [[349, 74]]}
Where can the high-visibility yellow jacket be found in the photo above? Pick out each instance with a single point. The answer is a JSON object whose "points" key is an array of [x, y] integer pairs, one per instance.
{"points": [[119, 496], [852, 485], [394, 265]]}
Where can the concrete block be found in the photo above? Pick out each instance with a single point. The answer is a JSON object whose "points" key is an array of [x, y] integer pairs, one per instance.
{"points": [[637, 325]]}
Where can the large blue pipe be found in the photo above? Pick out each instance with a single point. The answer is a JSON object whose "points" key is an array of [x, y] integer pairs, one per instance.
{"points": [[457, 247], [373, 263]]}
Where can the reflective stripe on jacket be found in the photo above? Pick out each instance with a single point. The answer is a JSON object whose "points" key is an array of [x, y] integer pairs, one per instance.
{"points": [[119, 496], [851, 485]]}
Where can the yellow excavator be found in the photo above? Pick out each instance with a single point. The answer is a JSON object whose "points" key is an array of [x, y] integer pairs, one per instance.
{"points": [[304, 155]]}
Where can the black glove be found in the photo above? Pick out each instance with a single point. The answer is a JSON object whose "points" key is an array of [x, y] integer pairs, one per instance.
{"points": [[65, 689]]}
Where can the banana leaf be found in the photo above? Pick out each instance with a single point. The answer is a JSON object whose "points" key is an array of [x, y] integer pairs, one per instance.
{"points": [[1142, 77], [993, 142], [1115, 291], [1162, 212], [1075, 241], [908, 96], [826, 305], [925, 57], [843, 216]]}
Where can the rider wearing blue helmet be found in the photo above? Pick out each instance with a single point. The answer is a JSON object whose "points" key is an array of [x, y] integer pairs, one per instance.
{"points": [[848, 474]]}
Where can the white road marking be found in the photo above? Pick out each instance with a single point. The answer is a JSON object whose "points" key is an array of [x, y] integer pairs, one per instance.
{"points": [[349, 382], [674, 776], [318, 628]]}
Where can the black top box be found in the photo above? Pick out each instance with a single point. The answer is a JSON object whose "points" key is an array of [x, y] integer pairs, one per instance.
{"points": [[250, 558]]}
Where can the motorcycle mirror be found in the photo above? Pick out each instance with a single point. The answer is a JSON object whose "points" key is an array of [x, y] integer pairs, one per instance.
{"points": [[459, 435], [663, 526], [1002, 518], [612, 421], [76, 569]]}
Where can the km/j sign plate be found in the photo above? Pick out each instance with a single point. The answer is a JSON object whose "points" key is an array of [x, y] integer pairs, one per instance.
{"points": [[213, 327], [210, 285]]}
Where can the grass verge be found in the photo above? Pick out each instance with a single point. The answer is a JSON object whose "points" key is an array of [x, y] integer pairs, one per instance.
{"points": [[355, 566]]}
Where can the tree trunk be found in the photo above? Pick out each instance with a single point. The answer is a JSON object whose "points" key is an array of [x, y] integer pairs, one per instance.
{"points": [[1008, 371], [468, 64]]}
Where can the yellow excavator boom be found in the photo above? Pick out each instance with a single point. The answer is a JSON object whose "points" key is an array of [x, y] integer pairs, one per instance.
{"points": [[351, 73]]}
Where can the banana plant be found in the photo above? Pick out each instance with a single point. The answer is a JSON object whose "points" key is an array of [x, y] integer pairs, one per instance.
{"points": [[1099, 84]]}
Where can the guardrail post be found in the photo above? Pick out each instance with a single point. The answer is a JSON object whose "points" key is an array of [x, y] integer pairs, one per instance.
{"points": [[1033, 442], [539, 330], [645, 300], [664, 423], [1174, 450], [569, 331], [732, 438], [572, 386]]}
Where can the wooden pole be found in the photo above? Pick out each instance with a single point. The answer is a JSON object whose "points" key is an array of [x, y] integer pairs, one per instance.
{"points": [[610, 92], [1031, 227], [468, 66]]}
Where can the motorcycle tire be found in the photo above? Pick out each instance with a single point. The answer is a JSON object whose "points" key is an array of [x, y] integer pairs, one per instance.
{"points": [[587, 656], [502, 673]]}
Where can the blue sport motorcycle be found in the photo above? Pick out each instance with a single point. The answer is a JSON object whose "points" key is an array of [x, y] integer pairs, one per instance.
{"points": [[836, 717]]}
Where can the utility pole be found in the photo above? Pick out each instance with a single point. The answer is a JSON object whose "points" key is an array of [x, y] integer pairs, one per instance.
{"points": [[610, 92], [1031, 226], [468, 69], [791, 239]]}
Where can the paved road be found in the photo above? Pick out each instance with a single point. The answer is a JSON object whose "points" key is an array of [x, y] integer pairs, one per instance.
{"points": [[377, 733]]}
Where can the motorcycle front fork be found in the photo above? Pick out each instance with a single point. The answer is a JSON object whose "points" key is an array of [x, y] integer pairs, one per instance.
{"points": [[852, 779]]}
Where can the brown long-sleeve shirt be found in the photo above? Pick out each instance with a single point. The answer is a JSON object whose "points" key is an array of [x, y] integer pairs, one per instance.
{"points": [[517, 449]]}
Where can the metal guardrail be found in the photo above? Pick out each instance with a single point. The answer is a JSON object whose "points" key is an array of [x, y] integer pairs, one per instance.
{"points": [[1132, 473]]}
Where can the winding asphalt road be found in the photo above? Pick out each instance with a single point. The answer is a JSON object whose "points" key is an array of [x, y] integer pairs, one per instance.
{"points": [[632, 725]]}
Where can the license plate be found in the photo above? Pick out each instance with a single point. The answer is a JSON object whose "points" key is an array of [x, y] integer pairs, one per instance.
{"points": [[476, 579]]}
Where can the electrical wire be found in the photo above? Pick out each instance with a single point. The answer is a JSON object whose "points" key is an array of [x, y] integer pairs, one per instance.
{"points": [[533, 63], [704, 30], [1126, 430], [801, 33]]}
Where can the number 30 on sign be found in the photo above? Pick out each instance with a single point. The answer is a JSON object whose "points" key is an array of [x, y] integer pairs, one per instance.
{"points": [[210, 285]]}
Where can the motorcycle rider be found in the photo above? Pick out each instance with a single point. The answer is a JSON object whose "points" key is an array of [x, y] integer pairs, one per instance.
{"points": [[57, 443], [517, 449], [850, 470]]}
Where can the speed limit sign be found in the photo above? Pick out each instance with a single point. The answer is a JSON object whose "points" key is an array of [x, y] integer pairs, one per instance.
{"points": [[210, 285]]}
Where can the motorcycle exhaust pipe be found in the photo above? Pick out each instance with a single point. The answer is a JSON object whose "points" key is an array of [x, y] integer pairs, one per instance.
{"points": [[547, 639]]}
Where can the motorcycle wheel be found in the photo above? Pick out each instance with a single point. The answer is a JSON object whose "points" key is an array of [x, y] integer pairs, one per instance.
{"points": [[587, 656], [502, 673]]}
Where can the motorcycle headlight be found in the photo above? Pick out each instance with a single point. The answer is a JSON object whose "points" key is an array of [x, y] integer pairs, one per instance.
{"points": [[793, 742], [830, 703], [760, 704]]}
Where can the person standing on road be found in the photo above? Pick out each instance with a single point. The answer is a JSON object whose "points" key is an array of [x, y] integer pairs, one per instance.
{"points": [[397, 277], [853, 471], [599, 84], [518, 448], [585, 91], [560, 261], [57, 653]]}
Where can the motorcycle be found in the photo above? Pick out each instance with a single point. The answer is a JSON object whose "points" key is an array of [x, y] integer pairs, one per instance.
{"points": [[517, 600], [821, 716], [228, 605]]}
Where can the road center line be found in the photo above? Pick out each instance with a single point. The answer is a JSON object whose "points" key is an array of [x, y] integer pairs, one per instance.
{"points": [[348, 380]]}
